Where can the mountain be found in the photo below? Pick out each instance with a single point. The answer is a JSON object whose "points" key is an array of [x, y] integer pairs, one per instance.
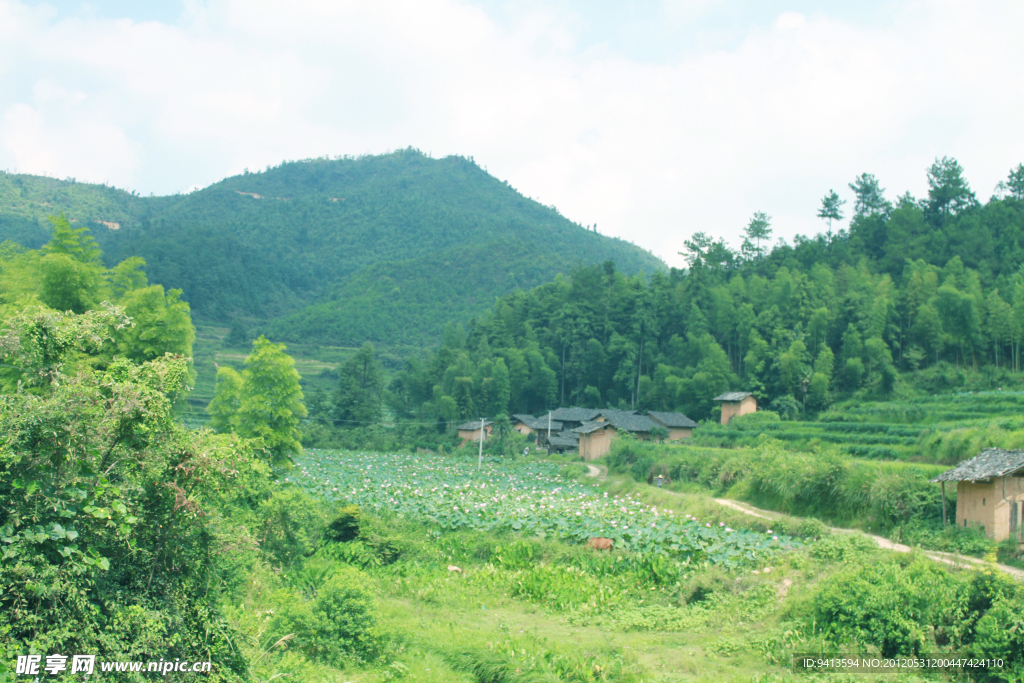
{"points": [[383, 248]]}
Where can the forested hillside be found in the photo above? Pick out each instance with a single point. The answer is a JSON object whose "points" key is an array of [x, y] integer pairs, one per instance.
{"points": [[369, 242], [927, 294]]}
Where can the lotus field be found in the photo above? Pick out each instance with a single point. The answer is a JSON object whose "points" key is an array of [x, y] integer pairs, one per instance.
{"points": [[530, 498]]}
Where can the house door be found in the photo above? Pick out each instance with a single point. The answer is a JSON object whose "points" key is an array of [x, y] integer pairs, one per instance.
{"points": [[1014, 516]]}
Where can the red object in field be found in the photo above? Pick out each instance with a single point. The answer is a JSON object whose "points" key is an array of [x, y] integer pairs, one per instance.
{"points": [[598, 543]]}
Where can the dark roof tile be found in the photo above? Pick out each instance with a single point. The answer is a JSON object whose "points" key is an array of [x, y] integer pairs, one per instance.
{"points": [[677, 420], [991, 462]]}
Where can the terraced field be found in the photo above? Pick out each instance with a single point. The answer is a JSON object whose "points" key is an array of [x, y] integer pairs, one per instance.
{"points": [[942, 429]]}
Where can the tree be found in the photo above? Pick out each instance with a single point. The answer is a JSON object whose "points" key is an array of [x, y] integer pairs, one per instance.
{"points": [[831, 210], [357, 400], [162, 324], [267, 400], [1013, 186], [68, 284], [502, 388], [948, 192], [238, 334], [870, 199], [78, 243], [227, 398], [758, 229]]}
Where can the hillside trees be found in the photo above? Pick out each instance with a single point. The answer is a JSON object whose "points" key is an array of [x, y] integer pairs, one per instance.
{"points": [[358, 399], [811, 322]]}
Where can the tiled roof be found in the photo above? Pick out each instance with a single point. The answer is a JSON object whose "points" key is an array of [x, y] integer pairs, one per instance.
{"points": [[541, 424], [475, 424], [732, 396], [559, 442], [568, 434], [525, 419], [574, 414], [631, 422], [677, 420], [991, 462], [588, 427], [608, 412]]}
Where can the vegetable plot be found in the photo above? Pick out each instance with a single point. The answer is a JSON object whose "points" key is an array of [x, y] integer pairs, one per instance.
{"points": [[525, 497]]}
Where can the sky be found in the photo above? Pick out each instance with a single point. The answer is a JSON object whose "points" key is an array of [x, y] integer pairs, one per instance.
{"points": [[653, 120]]}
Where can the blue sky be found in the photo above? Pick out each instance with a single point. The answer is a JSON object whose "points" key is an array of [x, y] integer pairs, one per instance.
{"points": [[652, 119]]}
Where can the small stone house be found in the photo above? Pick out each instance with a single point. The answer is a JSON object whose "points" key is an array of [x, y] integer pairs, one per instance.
{"points": [[735, 403], [678, 425], [470, 431], [989, 493]]}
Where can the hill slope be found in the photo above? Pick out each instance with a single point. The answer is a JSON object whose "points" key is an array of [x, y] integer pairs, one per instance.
{"points": [[387, 248]]}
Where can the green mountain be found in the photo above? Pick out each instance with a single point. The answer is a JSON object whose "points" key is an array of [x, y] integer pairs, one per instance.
{"points": [[382, 248]]}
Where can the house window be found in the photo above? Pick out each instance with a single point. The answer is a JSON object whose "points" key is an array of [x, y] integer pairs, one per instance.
{"points": [[982, 501]]}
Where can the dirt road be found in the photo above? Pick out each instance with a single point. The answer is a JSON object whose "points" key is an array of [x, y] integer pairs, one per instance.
{"points": [[947, 558]]}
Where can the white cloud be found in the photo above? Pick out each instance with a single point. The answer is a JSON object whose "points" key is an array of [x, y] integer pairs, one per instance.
{"points": [[651, 151]]}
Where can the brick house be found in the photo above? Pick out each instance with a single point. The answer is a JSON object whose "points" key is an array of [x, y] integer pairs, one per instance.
{"points": [[989, 493]]}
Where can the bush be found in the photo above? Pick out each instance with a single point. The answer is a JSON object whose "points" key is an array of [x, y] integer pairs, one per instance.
{"points": [[345, 526], [293, 523], [900, 610], [754, 421], [841, 547], [339, 626]]}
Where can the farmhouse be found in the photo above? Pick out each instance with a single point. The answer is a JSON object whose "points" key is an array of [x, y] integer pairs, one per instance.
{"points": [[595, 439], [523, 424], [735, 403], [989, 493], [573, 417], [678, 425], [470, 431]]}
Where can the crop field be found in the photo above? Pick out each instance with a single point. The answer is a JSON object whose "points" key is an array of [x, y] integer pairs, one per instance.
{"points": [[531, 498], [941, 429]]}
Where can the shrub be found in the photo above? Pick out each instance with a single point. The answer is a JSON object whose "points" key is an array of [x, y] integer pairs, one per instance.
{"points": [[345, 526], [339, 625], [900, 610], [841, 547], [293, 523], [754, 421]]}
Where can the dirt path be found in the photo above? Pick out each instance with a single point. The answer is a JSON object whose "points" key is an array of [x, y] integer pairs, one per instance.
{"points": [[951, 559]]}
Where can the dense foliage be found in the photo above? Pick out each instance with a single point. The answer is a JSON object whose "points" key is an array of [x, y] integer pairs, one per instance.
{"points": [[388, 248], [911, 287], [262, 402]]}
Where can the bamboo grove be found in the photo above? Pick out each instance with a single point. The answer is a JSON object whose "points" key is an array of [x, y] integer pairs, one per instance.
{"points": [[910, 289]]}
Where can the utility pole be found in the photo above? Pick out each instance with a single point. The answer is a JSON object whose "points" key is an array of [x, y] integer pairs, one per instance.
{"points": [[480, 457], [549, 432]]}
